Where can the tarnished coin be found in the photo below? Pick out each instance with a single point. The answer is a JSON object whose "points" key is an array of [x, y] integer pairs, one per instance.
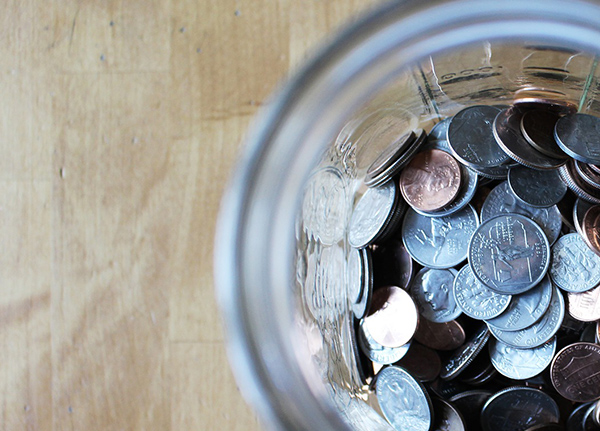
{"points": [[447, 417], [392, 265], [525, 309], [440, 336], [431, 180], [575, 372], [507, 131], [431, 290], [376, 352], [362, 305], [501, 200], [517, 409], [521, 364], [465, 354], [471, 139], [509, 253], [423, 363], [574, 267], [591, 228], [439, 242], [541, 331], [371, 214], [585, 306], [579, 209], [475, 299], [540, 189], [537, 127], [393, 318], [403, 401], [578, 135], [569, 175], [469, 404]]}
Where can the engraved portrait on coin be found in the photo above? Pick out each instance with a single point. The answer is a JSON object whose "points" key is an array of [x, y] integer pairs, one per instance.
{"points": [[432, 291]]}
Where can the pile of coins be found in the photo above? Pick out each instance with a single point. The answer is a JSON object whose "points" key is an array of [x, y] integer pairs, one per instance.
{"points": [[477, 267]]}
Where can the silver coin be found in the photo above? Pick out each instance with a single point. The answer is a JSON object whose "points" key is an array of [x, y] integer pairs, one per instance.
{"points": [[501, 200], [495, 173], [403, 401], [465, 354], [431, 290], [398, 141], [471, 139], [354, 275], [439, 132], [537, 127], [540, 189], [518, 408], [587, 174], [509, 253], [371, 213], [541, 331], [574, 266], [579, 209], [521, 364], [362, 305], [375, 351], [439, 242], [524, 309], [577, 416], [568, 173], [470, 403], [475, 299], [447, 417], [578, 135]]}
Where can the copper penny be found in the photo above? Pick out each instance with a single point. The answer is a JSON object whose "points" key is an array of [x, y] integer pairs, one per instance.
{"points": [[421, 362], [575, 372], [393, 318], [585, 306], [591, 228], [431, 180], [440, 336]]}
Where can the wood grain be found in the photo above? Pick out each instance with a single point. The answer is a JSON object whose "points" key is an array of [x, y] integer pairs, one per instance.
{"points": [[120, 123]]}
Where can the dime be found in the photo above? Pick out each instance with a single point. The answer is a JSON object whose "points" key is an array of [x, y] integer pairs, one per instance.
{"points": [[578, 135], [591, 228], [423, 363], [393, 318], [403, 401], [574, 267], [363, 304], [432, 292], [475, 299], [501, 200], [464, 355], [569, 175], [469, 404], [585, 306], [471, 139], [521, 364], [575, 372], [537, 127], [540, 189], [524, 309], [431, 180], [375, 351], [541, 331], [440, 242], [447, 417], [518, 408], [392, 264], [371, 214], [507, 131], [509, 253], [440, 336]]}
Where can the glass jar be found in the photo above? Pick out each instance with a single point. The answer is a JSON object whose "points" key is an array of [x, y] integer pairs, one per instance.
{"points": [[281, 263]]}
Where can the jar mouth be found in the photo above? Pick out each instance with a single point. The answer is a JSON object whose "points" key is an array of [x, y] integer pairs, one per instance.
{"points": [[255, 239]]}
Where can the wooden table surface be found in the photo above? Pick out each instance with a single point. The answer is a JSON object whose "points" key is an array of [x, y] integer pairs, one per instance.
{"points": [[120, 123]]}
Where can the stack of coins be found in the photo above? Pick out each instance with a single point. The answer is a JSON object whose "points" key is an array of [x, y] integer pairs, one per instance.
{"points": [[477, 277]]}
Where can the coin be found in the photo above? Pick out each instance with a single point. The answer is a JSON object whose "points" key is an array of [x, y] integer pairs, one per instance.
{"points": [[371, 213], [392, 265], [546, 427], [469, 404], [440, 336], [354, 274], [540, 189], [574, 267], [501, 200], [439, 131], [577, 417], [431, 290], [518, 408], [447, 417], [578, 135], [423, 363], [375, 351], [525, 309], [475, 299], [403, 401], [537, 127], [464, 355], [362, 305], [579, 209], [521, 364], [431, 180], [587, 174], [394, 133], [575, 372], [509, 253], [591, 228], [393, 318], [471, 139], [507, 131], [585, 306], [439, 242], [569, 175]]}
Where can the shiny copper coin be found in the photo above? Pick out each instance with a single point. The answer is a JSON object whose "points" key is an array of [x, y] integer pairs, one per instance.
{"points": [[393, 318], [575, 372], [585, 306], [440, 336], [591, 228], [431, 180]]}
